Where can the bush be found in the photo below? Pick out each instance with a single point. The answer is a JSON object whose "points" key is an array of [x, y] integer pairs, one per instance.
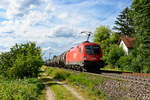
{"points": [[124, 63], [57, 73], [23, 60], [114, 55], [49, 71], [20, 89], [61, 75]]}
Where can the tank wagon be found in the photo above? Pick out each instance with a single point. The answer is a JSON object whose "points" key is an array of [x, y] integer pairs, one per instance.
{"points": [[85, 57]]}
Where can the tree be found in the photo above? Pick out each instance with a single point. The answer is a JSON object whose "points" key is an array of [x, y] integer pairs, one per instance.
{"points": [[23, 60], [141, 12], [102, 33], [114, 38], [124, 23]]}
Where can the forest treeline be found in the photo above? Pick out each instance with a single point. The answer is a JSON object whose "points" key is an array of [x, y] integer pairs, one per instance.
{"points": [[132, 22]]}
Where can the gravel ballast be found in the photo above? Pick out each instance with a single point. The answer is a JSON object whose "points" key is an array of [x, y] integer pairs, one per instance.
{"points": [[124, 90]]}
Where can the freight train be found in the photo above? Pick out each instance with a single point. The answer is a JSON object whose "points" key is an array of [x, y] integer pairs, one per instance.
{"points": [[85, 57]]}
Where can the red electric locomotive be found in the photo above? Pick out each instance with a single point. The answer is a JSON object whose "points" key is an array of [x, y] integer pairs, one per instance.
{"points": [[86, 56]]}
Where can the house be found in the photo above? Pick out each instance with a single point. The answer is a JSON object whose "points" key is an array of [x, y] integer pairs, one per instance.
{"points": [[126, 43]]}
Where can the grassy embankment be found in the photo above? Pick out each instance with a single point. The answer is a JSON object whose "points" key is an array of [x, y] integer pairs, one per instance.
{"points": [[21, 89], [85, 84]]}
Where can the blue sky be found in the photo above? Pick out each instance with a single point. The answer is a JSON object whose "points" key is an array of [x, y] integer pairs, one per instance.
{"points": [[55, 25]]}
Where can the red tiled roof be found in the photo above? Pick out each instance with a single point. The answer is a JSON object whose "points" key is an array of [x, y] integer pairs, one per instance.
{"points": [[129, 41]]}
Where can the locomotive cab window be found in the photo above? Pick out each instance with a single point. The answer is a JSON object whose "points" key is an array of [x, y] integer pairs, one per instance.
{"points": [[92, 49]]}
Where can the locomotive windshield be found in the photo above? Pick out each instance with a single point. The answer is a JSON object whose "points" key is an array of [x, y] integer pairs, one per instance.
{"points": [[92, 49]]}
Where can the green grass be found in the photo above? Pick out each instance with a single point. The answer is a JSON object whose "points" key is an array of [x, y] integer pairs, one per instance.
{"points": [[61, 93], [84, 82], [58, 74], [20, 89], [109, 68], [42, 95]]}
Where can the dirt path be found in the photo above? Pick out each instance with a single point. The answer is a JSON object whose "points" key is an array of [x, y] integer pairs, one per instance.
{"points": [[51, 96], [49, 93], [69, 89]]}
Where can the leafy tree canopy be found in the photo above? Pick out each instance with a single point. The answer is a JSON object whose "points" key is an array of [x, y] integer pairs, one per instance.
{"points": [[23, 60], [102, 33]]}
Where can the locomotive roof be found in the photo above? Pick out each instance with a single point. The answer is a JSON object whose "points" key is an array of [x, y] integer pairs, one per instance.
{"points": [[83, 44], [87, 42]]}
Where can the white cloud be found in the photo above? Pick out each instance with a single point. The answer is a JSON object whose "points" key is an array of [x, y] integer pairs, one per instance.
{"points": [[50, 8], [18, 8], [7, 42], [45, 49], [34, 17], [4, 3], [63, 15]]}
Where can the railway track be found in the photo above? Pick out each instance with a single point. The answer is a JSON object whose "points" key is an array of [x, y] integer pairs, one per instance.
{"points": [[142, 78], [132, 77], [128, 77]]}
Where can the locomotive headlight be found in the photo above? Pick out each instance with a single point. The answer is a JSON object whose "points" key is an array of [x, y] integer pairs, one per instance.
{"points": [[84, 57]]}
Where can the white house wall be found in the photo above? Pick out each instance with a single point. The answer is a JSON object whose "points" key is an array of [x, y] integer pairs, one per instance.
{"points": [[122, 44]]}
